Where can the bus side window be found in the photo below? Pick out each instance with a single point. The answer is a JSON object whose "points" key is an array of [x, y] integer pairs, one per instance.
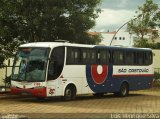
{"points": [[140, 58], [73, 56], [92, 56], [118, 57], [56, 63], [104, 57], [148, 58], [130, 58], [88, 56], [85, 56]]}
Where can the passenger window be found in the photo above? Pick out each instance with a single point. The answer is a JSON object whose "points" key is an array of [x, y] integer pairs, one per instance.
{"points": [[130, 58], [104, 57], [81, 56], [86, 56], [118, 57], [148, 58], [140, 58], [92, 56], [73, 55]]}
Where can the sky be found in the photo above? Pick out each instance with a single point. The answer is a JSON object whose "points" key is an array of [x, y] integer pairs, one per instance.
{"points": [[117, 12]]}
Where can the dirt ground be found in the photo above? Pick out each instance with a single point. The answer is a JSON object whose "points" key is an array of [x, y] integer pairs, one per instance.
{"points": [[146, 102]]}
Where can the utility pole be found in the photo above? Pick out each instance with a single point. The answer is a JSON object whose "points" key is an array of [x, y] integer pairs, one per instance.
{"points": [[120, 29]]}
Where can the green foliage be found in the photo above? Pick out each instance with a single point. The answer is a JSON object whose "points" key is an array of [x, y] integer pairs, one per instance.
{"points": [[45, 20], [142, 43], [7, 80], [148, 17], [145, 44], [156, 75], [96, 39], [157, 78], [1, 59]]}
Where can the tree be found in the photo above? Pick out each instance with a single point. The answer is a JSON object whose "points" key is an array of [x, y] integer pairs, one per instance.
{"points": [[146, 19], [1, 60], [45, 20], [8, 33]]}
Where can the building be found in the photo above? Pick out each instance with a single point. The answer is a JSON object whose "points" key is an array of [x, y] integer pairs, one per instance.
{"points": [[123, 38]]}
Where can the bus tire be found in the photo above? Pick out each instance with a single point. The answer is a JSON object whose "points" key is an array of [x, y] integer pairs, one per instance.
{"points": [[70, 93], [124, 90]]}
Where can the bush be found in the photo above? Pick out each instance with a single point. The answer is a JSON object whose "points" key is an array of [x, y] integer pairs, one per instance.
{"points": [[1, 60], [7, 80], [157, 79], [145, 44]]}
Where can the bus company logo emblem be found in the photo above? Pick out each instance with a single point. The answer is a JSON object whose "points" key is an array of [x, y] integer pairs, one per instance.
{"points": [[97, 76], [51, 91], [37, 84], [99, 73]]}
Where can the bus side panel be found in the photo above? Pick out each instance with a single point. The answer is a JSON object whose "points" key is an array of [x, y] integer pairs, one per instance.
{"points": [[135, 83], [137, 77], [52, 88], [113, 84], [87, 82], [76, 74]]}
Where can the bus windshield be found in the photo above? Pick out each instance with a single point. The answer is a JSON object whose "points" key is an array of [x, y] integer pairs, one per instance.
{"points": [[30, 64]]}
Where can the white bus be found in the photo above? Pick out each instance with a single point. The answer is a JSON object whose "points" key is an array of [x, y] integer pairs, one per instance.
{"points": [[46, 69]]}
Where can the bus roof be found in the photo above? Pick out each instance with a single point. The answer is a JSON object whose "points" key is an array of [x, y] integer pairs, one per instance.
{"points": [[55, 44]]}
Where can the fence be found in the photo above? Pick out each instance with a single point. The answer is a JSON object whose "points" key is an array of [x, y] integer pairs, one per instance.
{"points": [[5, 71]]}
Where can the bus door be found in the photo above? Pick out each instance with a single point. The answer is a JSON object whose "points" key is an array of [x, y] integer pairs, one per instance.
{"points": [[55, 68]]}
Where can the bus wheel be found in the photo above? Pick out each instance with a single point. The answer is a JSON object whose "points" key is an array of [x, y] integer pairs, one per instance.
{"points": [[70, 93], [124, 90]]}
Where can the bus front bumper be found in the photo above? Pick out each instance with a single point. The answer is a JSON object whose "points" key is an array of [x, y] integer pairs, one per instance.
{"points": [[36, 92]]}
